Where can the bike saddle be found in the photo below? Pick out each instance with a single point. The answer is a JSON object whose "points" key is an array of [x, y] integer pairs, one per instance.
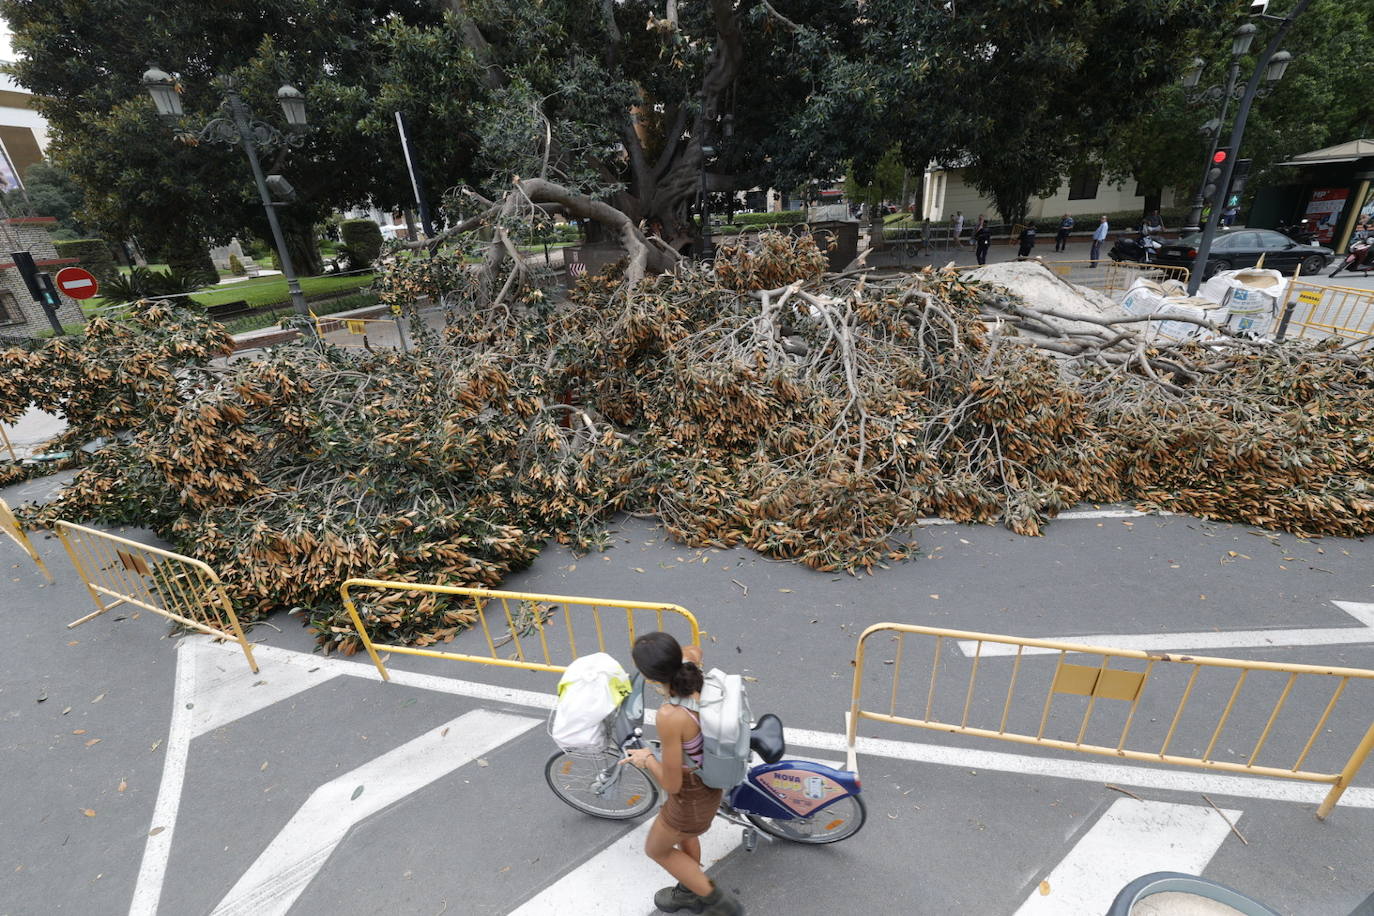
{"points": [[765, 738]]}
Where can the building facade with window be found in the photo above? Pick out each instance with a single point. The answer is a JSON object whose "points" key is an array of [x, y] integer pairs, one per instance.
{"points": [[1083, 194], [20, 315]]}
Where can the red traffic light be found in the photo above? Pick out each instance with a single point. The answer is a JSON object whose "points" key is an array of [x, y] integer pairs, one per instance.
{"points": [[1220, 156]]}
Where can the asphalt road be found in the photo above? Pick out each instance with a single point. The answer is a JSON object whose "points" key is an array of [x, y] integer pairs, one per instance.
{"points": [[313, 787]]}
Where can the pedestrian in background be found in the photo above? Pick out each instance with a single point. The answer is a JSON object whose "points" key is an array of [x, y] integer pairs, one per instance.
{"points": [[1154, 224], [982, 238], [1061, 238], [957, 225], [1027, 239], [1099, 236]]}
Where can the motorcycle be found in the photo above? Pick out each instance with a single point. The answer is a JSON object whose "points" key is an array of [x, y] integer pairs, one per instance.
{"points": [[1302, 232], [1143, 249], [1360, 257]]}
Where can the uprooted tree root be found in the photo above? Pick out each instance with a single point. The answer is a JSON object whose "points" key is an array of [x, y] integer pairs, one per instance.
{"points": [[809, 416]]}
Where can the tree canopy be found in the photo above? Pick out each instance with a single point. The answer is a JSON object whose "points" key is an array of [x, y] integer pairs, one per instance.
{"points": [[83, 61]]}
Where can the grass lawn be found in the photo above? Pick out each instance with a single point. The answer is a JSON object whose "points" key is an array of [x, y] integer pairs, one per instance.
{"points": [[264, 291]]}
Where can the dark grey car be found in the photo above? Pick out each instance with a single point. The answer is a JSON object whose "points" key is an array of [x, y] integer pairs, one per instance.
{"points": [[1243, 247]]}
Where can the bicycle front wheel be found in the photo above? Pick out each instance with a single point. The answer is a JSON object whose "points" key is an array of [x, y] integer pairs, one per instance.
{"points": [[595, 783], [836, 822]]}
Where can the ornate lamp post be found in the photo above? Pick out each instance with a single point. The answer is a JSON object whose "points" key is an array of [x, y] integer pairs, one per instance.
{"points": [[1241, 40], [1270, 66], [237, 126]]}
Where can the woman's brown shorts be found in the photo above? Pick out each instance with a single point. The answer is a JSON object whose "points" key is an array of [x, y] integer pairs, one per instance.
{"points": [[691, 810]]}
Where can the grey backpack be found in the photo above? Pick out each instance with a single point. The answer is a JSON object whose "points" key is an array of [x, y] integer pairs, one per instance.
{"points": [[725, 724]]}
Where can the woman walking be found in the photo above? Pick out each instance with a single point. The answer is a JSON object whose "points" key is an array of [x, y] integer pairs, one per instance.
{"points": [[674, 839]]}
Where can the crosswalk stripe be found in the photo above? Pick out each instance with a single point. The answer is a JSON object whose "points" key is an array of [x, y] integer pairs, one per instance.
{"points": [[621, 880], [1131, 839]]}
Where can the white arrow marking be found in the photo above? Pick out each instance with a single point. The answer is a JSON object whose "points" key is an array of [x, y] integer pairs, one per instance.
{"points": [[273, 882], [1132, 839], [1207, 639]]}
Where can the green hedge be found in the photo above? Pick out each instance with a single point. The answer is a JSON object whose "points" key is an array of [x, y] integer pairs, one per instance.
{"points": [[364, 238], [93, 254], [780, 218]]}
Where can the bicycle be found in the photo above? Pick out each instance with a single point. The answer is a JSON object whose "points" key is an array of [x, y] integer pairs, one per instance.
{"points": [[796, 800]]}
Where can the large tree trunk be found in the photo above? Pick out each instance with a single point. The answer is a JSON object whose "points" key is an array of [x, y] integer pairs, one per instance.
{"points": [[304, 247]]}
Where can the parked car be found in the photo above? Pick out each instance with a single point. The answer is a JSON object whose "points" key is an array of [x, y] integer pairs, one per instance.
{"points": [[1243, 247]]}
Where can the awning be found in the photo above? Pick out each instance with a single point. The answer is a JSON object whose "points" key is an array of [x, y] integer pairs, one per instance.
{"points": [[1344, 152]]}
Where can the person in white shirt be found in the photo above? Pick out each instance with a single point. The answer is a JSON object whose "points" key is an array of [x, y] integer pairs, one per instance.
{"points": [[1099, 236], [958, 225]]}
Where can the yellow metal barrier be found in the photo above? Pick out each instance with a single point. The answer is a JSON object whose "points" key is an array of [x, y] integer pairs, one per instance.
{"points": [[168, 584], [1310, 310], [1115, 277], [533, 617], [9, 446], [10, 525], [1163, 676]]}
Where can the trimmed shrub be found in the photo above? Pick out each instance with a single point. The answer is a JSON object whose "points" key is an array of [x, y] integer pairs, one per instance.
{"points": [[236, 266], [363, 238], [781, 218], [194, 263], [93, 254]]}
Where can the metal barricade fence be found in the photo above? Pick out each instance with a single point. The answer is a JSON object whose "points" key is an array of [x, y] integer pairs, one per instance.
{"points": [[9, 446], [529, 624], [1115, 277], [391, 329], [10, 526], [177, 587], [1312, 310], [1309, 692]]}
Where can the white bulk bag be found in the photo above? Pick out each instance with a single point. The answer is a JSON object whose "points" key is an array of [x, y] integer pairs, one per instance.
{"points": [[590, 690]]}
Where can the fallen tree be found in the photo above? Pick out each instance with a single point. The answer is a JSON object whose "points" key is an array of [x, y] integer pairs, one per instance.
{"points": [[756, 401]]}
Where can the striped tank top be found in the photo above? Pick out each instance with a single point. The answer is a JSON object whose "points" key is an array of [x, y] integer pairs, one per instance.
{"points": [[691, 750]]}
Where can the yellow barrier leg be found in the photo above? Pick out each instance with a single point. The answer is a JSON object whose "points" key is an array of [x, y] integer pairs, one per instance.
{"points": [[362, 632], [1352, 766], [85, 580]]}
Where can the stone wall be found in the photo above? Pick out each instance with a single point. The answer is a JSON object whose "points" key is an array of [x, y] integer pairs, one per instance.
{"points": [[20, 315]]}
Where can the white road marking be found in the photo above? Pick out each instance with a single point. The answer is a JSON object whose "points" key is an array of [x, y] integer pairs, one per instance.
{"points": [[1131, 839], [1071, 514], [291, 861], [1207, 639], [1087, 770], [621, 880], [209, 693]]}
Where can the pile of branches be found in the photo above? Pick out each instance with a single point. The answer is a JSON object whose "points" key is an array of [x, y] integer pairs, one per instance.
{"points": [[758, 401]]}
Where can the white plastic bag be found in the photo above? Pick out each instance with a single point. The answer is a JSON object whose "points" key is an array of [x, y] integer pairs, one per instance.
{"points": [[590, 690]]}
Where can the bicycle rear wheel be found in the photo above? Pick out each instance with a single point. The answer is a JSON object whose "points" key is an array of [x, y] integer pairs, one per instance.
{"points": [[836, 822], [595, 783]]}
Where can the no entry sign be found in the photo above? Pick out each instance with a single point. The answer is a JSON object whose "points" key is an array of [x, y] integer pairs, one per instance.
{"points": [[77, 283]]}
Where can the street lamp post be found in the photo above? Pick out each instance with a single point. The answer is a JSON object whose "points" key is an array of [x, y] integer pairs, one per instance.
{"points": [[239, 127], [707, 246], [1271, 65], [1240, 46]]}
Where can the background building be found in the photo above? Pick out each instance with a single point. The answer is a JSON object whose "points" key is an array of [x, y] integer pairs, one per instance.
{"points": [[23, 132], [1086, 194]]}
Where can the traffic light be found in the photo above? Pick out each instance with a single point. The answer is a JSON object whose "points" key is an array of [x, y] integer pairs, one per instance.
{"points": [[1239, 175], [23, 262], [47, 296], [1214, 172]]}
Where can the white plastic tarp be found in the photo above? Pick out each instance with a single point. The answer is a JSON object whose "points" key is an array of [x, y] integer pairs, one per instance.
{"points": [[1145, 297]]}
